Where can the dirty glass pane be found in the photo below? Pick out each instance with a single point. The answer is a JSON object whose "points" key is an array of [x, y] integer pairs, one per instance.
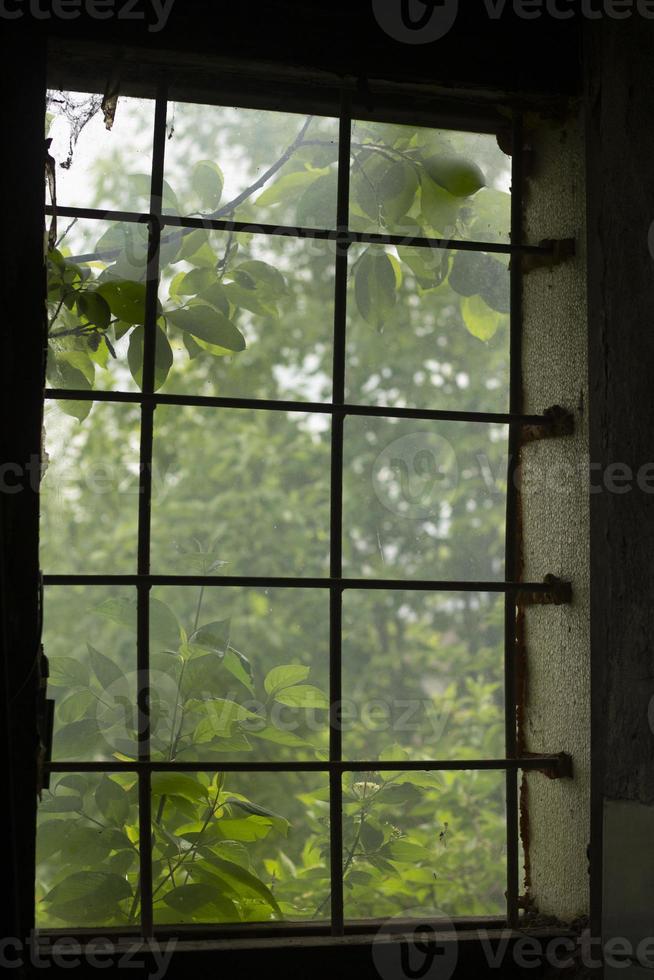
{"points": [[238, 847], [424, 672], [408, 180], [249, 488], [97, 167], [90, 488], [428, 328], [249, 316], [90, 636], [424, 844], [239, 673], [424, 500], [252, 165], [87, 864]]}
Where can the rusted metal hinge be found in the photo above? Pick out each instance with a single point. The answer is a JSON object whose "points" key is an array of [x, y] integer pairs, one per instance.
{"points": [[557, 251], [557, 422], [45, 726], [559, 768], [558, 594]]}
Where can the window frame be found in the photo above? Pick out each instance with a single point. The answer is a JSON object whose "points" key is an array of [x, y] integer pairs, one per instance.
{"points": [[350, 106]]}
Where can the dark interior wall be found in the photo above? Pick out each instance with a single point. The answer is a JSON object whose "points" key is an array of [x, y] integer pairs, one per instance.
{"points": [[621, 352]]}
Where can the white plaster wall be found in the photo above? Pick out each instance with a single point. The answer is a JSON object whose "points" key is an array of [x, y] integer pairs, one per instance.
{"points": [[556, 524]]}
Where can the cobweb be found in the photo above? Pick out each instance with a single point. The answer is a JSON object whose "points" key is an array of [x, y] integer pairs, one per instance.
{"points": [[78, 110]]}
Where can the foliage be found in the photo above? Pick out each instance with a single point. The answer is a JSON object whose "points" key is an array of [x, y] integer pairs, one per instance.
{"points": [[242, 674]]}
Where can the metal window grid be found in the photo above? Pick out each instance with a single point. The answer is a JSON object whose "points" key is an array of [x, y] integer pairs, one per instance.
{"points": [[338, 409]]}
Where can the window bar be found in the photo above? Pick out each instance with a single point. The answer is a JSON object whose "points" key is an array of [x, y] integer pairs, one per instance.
{"points": [[558, 765], [512, 569], [336, 523], [324, 408], [559, 592], [321, 234], [145, 507]]}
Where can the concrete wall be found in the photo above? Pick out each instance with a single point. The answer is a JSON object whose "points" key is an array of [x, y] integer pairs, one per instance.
{"points": [[556, 523]]}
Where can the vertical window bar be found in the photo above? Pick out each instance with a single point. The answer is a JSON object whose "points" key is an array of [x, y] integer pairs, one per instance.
{"points": [[145, 506], [512, 551], [336, 521]]}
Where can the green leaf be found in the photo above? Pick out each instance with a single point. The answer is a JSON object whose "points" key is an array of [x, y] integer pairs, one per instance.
{"points": [[126, 300], [280, 737], [122, 611], [188, 899], [215, 296], [375, 287], [288, 187], [195, 281], [79, 733], [71, 369], [205, 323], [243, 881], [285, 676], [212, 637], [397, 190], [208, 182], [107, 672], [240, 668], [164, 625], [68, 672], [75, 707], [94, 308], [302, 696], [440, 209], [480, 320], [372, 837], [458, 175], [112, 801], [260, 275], [178, 784], [52, 836], [316, 207], [87, 896], [163, 357], [280, 823], [403, 850]]}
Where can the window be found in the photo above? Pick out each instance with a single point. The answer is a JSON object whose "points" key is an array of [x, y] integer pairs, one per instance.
{"points": [[279, 520]]}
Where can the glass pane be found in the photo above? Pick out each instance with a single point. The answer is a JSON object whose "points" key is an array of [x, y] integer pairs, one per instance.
{"points": [[239, 673], [90, 638], [89, 494], [427, 182], [250, 165], [424, 500], [246, 316], [423, 673], [250, 489], [238, 847], [422, 843], [96, 306], [96, 167], [87, 852], [428, 328]]}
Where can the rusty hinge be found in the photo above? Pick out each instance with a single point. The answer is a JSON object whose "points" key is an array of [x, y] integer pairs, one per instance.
{"points": [[559, 593], [45, 726], [557, 251], [557, 422], [560, 766]]}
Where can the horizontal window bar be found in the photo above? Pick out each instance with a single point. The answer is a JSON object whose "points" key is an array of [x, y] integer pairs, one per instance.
{"points": [[319, 408], [262, 582], [549, 762], [285, 231]]}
